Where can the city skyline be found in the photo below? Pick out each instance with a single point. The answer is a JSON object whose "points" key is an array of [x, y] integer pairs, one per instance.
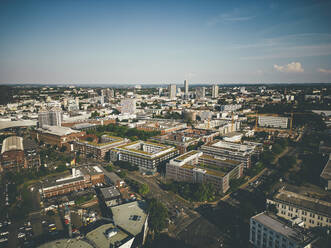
{"points": [[147, 42]]}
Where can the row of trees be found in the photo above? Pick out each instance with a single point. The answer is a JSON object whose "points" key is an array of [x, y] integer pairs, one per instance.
{"points": [[193, 191], [124, 132]]}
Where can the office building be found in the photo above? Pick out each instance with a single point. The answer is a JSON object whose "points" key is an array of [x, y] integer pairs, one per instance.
{"points": [[294, 202], [128, 106], [172, 91], [326, 174], [146, 155], [214, 91], [200, 93], [273, 121], [232, 151], [196, 167], [268, 230], [51, 117], [99, 149]]}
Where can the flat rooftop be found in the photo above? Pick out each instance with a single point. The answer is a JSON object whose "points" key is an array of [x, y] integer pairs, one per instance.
{"points": [[232, 146], [220, 160], [130, 216], [142, 148], [297, 234], [110, 192], [57, 130], [98, 236]]}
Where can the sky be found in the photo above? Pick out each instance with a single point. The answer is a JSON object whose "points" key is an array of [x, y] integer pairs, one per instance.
{"points": [[137, 42]]}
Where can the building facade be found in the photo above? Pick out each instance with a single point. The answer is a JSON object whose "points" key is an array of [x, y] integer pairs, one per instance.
{"points": [[273, 121], [81, 178], [196, 167], [172, 91], [311, 211], [52, 117], [231, 151], [146, 155]]}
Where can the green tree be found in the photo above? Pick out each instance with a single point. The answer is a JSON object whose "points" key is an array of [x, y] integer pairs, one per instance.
{"points": [[143, 189], [158, 215]]}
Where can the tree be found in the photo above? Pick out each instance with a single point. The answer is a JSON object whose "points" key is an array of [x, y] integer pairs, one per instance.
{"points": [[63, 148], [143, 189], [158, 215]]}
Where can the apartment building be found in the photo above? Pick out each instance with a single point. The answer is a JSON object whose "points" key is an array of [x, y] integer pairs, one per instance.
{"points": [[232, 151], [180, 140], [146, 155], [81, 178], [196, 167], [269, 230], [291, 203], [273, 121], [98, 150]]}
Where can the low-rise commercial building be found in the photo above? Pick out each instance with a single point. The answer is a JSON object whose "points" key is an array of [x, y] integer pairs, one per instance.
{"points": [[291, 203], [146, 155], [196, 167], [232, 151], [55, 135], [98, 150], [268, 230], [81, 178], [12, 154], [111, 196]]}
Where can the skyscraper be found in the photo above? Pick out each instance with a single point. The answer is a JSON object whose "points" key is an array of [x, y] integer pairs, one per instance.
{"points": [[52, 117], [172, 91], [186, 88], [200, 92], [214, 91]]}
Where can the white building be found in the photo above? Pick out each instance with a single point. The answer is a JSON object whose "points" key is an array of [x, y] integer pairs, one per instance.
{"points": [[214, 91], [172, 91], [268, 230], [50, 118], [200, 92], [128, 106], [273, 121]]}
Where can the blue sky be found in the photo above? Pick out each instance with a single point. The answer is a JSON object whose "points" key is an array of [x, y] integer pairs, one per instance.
{"points": [[135, 41]]}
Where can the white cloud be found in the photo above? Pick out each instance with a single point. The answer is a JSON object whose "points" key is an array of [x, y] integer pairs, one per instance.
{"points": [[327, 71], [292, 67]]}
